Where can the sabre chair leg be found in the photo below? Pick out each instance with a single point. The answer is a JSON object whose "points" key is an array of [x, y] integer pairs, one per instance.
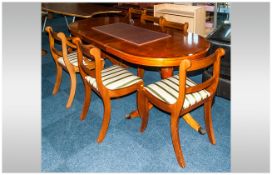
{"points": [[72, 90], [106, 120], [87, 100], [143, 111], [174, 124], [58, 79], [208, 120]]}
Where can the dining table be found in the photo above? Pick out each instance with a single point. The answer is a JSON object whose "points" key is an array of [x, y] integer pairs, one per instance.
{"points": [[126, 40], [79, 10]]}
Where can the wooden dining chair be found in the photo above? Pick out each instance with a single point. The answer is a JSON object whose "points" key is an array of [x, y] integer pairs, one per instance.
{"points": [[112, 82], [179, 95], [65, 59], [174, 25], [135, 13]]}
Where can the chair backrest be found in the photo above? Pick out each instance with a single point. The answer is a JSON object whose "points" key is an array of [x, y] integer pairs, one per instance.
{"points": [[90, 51], [147, 18], [198, 64], [179, 26], [132, 12], [66, 45]]}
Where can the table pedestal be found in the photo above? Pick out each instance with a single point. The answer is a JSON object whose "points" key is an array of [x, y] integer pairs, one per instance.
{"points": [[166, 72]]}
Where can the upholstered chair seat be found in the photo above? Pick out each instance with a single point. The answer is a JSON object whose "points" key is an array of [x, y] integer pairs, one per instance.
{"points": [[72, 58], [115, 77], [167, 90]]}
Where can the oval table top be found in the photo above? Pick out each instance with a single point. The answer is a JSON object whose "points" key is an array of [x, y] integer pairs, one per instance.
{"points": [[167, 52]]}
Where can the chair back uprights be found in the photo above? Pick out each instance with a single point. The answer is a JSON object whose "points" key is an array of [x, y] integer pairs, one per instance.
{"points": [[66, 45], [94, 53], [209, 85], [132, 13], [52, 36]]}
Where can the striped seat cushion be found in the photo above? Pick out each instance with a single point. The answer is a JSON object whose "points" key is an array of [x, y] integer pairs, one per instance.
{"points": [[115, 77], [72, 58], [167, 90]]}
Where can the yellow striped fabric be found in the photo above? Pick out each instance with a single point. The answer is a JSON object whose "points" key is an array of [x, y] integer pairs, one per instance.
{"points": [[115, 77], [72, 58], [167, 90]]}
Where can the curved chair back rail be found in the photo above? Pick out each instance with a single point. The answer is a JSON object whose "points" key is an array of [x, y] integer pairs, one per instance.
{"points": [[169, 24], [147, 18], [52, 36], [179, 95], [67, 46], [210, 84]]}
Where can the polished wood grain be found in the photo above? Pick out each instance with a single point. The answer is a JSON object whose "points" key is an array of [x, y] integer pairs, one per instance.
{"points": [[82, 10], [105, 93], [164, 53], [176, 110]]}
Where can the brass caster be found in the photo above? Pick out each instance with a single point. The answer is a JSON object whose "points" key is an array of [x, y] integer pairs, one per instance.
{"points": [[201, 131]]}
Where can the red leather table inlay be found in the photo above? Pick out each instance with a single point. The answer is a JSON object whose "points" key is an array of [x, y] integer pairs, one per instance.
{"points": [[130, 33]]}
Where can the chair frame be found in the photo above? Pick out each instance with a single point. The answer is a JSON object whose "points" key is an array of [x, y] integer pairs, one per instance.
{"points": [[132, 11], [67, 47], [176, 110], [102, 91]]}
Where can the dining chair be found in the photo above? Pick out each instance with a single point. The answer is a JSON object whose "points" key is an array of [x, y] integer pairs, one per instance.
{"points": [[135, 13], [179, 95], [174, 25], [112, 82], [65, 59]]}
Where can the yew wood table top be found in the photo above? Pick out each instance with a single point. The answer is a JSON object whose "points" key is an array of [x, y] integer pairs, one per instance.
{"points": [[162, 53], [82, 10]]}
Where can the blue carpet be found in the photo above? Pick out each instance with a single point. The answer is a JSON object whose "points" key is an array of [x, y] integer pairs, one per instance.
{"points": [[69, 145]]}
